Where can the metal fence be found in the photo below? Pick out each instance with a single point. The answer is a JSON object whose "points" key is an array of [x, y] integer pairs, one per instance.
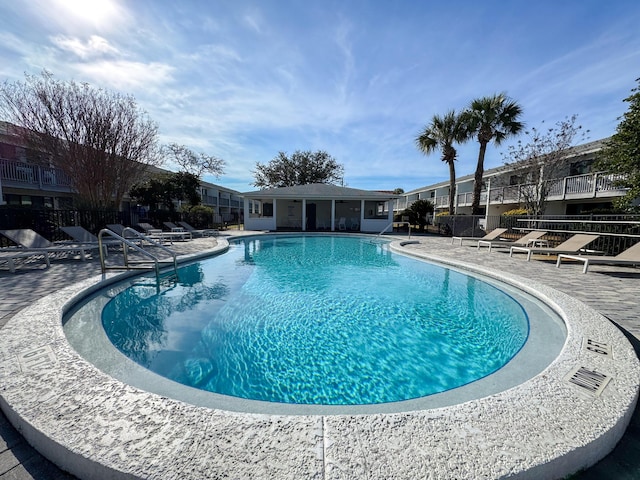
{"points": [[616, 232], [47, 222]]}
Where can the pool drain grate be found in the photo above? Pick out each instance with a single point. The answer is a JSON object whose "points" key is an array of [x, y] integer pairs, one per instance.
{"points": [[600, 348], [590, 381]]}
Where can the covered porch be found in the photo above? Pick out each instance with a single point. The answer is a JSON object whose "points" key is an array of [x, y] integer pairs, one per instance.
{"points": [[318, 207]]}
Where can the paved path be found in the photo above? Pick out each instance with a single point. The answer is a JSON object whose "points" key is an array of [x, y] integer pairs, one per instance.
{"points": [[613, 291]]}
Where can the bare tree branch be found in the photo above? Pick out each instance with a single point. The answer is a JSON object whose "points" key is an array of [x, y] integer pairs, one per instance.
{"points": [[192, 162], [100, 139], [540, 160]]}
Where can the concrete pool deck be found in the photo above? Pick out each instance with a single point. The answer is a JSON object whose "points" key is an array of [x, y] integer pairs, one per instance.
{"points": [[612, 291]]}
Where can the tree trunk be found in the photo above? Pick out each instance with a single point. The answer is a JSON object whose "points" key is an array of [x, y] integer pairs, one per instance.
{"points": [[477, 180], [452, 187]]}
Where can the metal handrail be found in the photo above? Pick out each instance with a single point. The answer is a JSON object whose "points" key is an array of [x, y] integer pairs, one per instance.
{"points": [[128, 243], [391, 224]]}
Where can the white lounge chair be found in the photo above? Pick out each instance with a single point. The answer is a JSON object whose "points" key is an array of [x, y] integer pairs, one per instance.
{"points": [[532, 237], [9, 256], [173, 227], [33, 241], [573, 244], [206, 232], [80, 234], [157, 233], [630, 256], [84, 237], [492, 235]]}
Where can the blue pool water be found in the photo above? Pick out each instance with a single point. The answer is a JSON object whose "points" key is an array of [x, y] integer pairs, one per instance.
{"points": [[318, 320]]}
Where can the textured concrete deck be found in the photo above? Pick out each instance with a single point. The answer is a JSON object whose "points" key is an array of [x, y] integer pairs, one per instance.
{"points": [[612, 291]]}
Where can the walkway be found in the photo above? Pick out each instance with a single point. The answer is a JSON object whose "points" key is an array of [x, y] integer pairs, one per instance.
{"points": [[612, 291]]}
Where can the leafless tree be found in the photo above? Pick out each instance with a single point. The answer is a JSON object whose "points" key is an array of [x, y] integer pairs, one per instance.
{"points": [[192, 162], [100, 139], [539, 161]]}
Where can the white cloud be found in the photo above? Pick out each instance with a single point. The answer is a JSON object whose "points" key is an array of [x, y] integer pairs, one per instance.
{"points": [[253, 20], [132, 77], [94, 47]]}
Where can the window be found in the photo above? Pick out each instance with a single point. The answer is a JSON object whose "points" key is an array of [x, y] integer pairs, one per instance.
{"points": [[376, 210], [580, 168]]}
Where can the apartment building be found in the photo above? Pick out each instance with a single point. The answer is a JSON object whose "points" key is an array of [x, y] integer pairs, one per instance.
{"points": [[577, 188], [24, 182]]}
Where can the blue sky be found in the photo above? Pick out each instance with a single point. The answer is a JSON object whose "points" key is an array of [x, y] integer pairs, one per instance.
{"points": [[243, 80]]}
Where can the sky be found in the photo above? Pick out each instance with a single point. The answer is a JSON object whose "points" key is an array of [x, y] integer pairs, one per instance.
{"points": [[360, 79]]}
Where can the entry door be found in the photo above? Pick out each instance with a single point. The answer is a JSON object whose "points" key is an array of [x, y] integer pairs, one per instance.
{"points": [[311, 216]]}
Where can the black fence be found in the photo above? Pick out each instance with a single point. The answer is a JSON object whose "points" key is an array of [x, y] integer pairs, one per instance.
{"points": [[47, 222], [616, 232]]}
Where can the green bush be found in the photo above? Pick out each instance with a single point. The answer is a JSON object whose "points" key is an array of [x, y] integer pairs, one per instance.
{"points": [[200, 216]]}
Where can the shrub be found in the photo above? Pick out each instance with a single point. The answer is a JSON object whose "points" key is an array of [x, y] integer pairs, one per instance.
{"points": [[516, 211], [200, 216]]}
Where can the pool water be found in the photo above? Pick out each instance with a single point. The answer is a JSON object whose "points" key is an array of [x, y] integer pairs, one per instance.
{"points": [[324, 320]]}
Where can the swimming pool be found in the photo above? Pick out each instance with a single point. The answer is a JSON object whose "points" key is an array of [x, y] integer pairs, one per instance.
{"points": [[128, 423], [316, 320]]}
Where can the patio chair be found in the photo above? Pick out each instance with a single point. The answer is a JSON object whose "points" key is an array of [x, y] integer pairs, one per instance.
{"points": [[33, 241], [532, 237], [173, 227], [630, 256], [148, 228], [207, 232], [116, 228], [83, 236], [573, 244], [492, 235], [119, 230], [9, 256], [158, 234]]}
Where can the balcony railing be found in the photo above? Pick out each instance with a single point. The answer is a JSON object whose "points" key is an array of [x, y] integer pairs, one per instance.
{"points": [[591, 185], [209, 200], [20, 174]]}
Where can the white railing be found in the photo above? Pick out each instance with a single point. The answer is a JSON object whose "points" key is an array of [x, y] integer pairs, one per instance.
{"points": [[13, 172], [578, 186], [442, 201], [209, 200], [464, 199], [608, 182], [395, 223]]}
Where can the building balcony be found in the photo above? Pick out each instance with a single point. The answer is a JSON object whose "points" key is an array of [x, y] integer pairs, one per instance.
{"points": [[577, 187], [24, 175], [209, 200]]}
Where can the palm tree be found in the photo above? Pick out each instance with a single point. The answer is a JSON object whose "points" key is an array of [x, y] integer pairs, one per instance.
{"points": [[491, 118], [441, 134]]}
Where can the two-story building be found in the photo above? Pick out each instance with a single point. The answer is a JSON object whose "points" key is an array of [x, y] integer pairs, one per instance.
{"points": [[40, 185], [576, 188]]}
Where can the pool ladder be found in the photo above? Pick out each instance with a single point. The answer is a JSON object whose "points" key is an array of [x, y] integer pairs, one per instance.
{"points": [[390, 225], [132, 239]]}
